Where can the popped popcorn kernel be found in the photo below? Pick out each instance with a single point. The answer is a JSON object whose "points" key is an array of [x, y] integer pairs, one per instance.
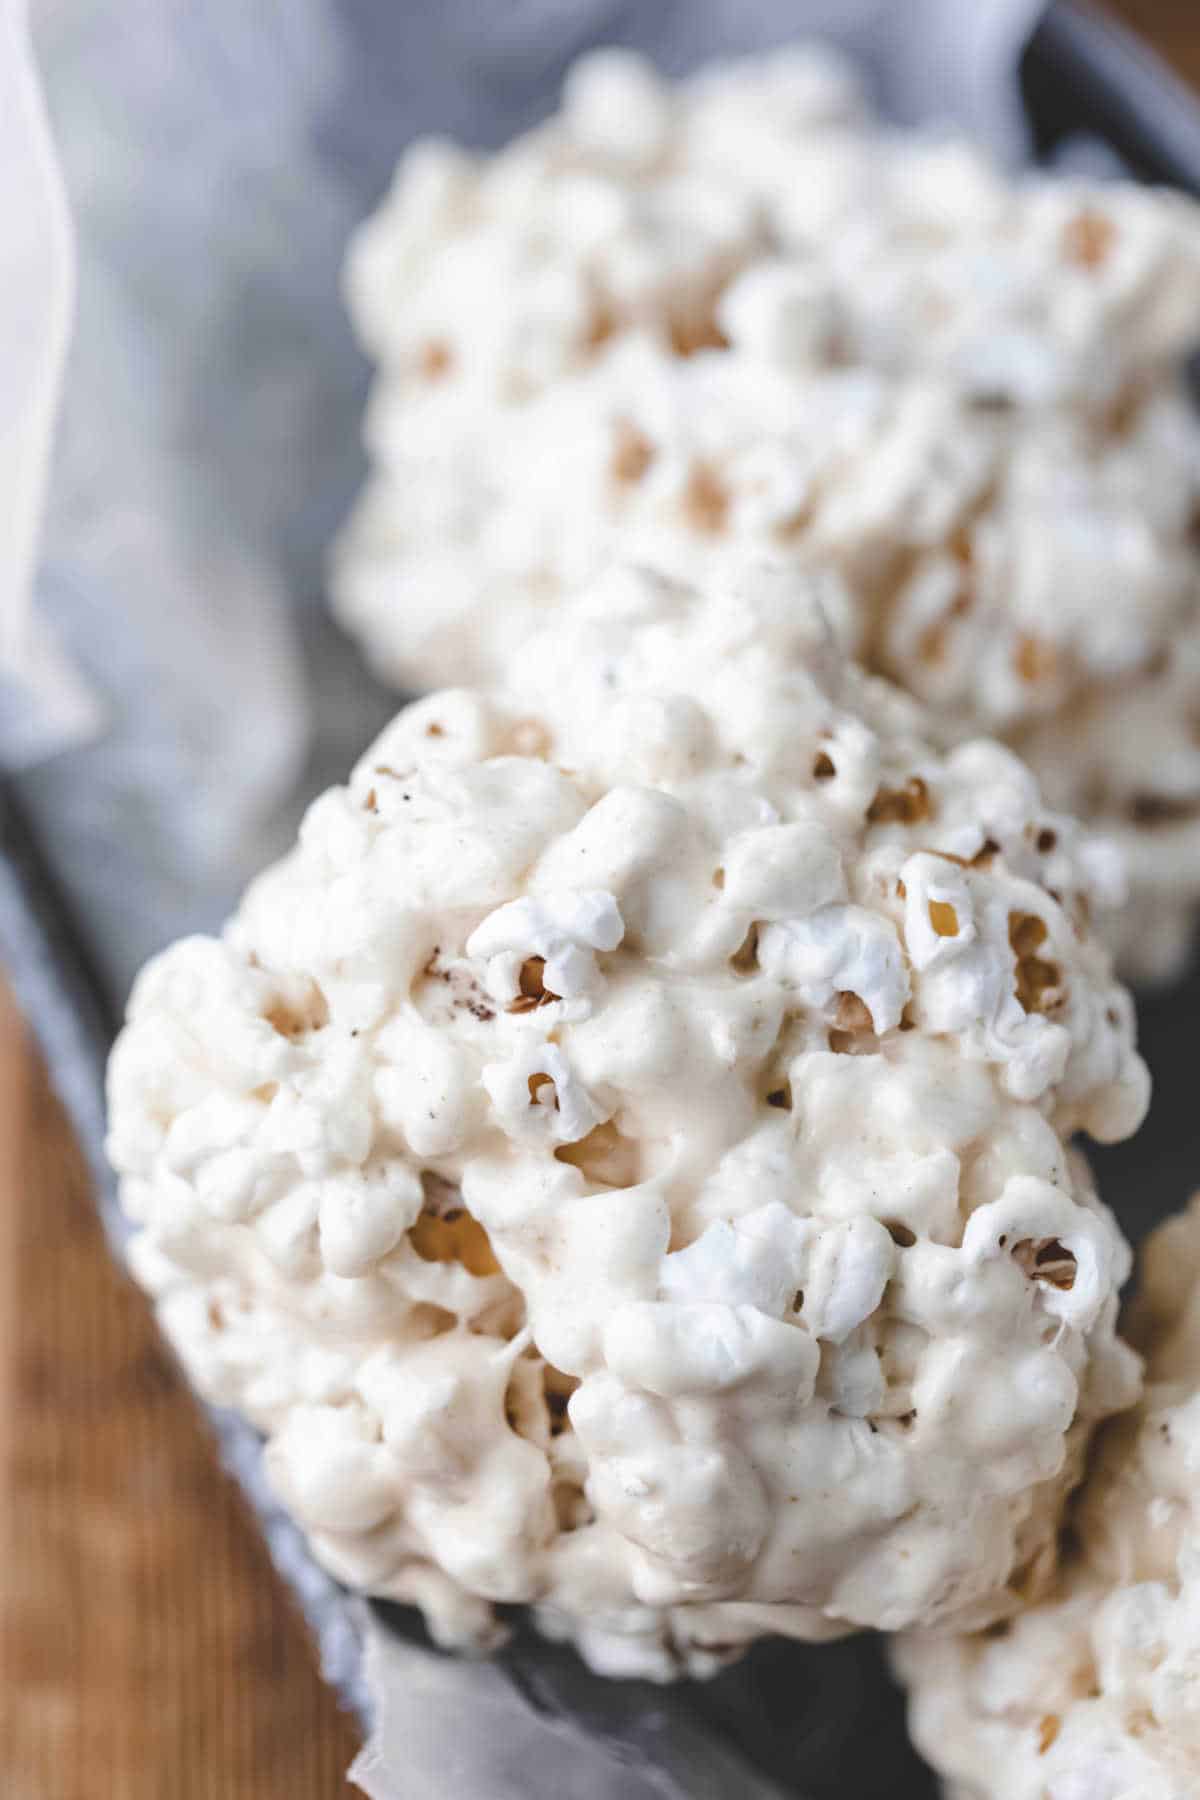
{"points": [[445, 1231]]}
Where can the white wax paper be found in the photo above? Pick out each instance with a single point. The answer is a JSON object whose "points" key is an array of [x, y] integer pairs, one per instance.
{"points": [[41, 701]]}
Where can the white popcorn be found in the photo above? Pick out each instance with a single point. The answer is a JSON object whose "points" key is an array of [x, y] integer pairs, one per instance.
{"points": [[675, 1349], [733, 317], [557, 933], [839, 949], [1091, 1694], [364, 1215], [617, 108], [784, 871], [757, 1260], [537, 1095], [579, 1157], [849, 1267]]}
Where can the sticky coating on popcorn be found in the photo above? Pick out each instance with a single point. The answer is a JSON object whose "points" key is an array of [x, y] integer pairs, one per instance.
{"points": [[620, 1159], [1091, 1694], [735, 316]]}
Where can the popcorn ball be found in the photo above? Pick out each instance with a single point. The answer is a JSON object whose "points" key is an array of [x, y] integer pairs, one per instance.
{"points": [[734, 318], [1092, 1694], [635, 207], [620, 1159]]}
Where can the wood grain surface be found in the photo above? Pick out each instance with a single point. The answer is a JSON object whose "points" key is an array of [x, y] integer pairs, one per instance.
{"points": [[1172, 26], [146, 1650]]}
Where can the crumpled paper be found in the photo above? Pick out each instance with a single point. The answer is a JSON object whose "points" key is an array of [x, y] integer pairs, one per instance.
{"points": [[205, 451], [464, 1736], [41, 700], [217, 157]]}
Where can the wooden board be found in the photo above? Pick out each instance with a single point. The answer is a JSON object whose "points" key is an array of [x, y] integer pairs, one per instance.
{"points": [[146, 1650], [1172, 26]]}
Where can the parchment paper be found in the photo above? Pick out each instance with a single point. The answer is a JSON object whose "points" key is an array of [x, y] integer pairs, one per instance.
{"points": [[41, 703]]}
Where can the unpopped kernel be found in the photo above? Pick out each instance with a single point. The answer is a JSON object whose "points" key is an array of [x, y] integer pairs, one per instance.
{"points": [[735, 316], [1091, 1694], [620, 1158]]}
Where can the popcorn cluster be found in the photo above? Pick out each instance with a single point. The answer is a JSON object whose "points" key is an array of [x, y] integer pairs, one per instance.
{"points": [[1092, 1694], [620, 1157], [734, 318]]}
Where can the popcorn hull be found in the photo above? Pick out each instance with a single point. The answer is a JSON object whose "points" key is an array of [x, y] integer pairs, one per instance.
{"points": [[790, 1718]]}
